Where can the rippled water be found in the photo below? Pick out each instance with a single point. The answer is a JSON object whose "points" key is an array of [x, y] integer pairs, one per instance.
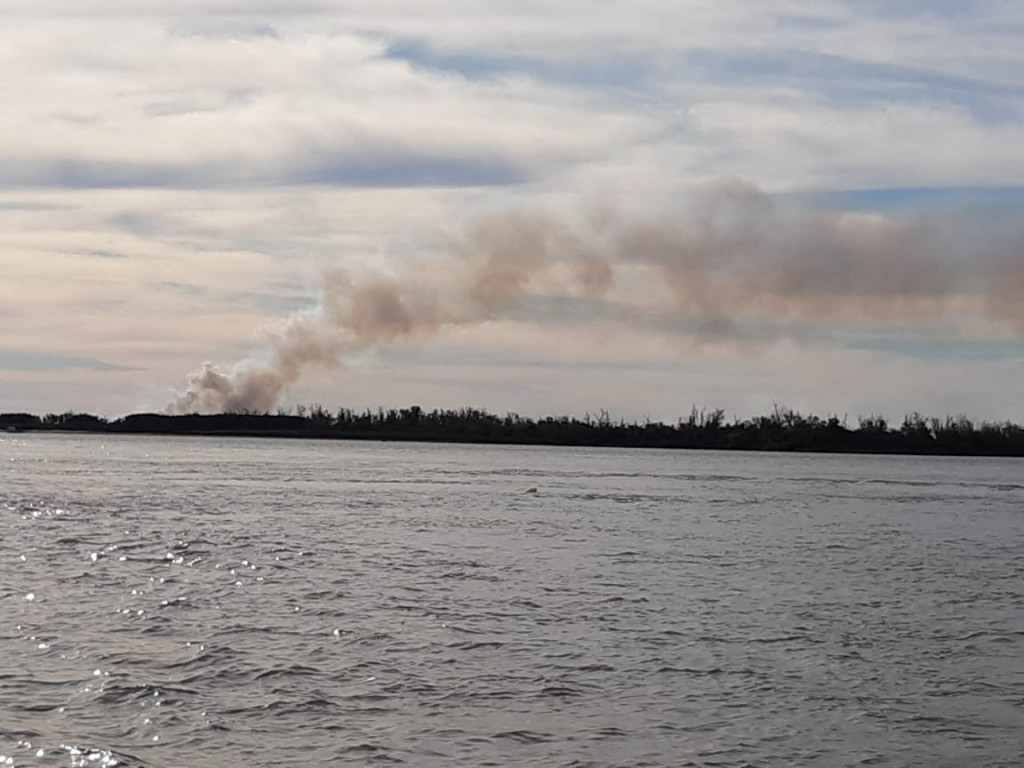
{"points": [[208, 602]]}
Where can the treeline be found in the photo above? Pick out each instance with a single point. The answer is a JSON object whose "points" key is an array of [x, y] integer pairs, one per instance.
{"points": [[782, 430]]}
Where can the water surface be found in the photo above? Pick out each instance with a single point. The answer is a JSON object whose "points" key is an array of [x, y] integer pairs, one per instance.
{"points": [[180, 601]]}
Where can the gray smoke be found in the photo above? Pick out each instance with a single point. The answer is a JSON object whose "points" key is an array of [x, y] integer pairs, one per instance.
{"points": [[724, 260]]}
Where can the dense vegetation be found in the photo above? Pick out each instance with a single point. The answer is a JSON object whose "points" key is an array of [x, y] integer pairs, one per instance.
{"points": [[782, 430]]}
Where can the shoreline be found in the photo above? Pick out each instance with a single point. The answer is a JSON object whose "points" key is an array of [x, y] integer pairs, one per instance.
{"points": [[783, 432]]}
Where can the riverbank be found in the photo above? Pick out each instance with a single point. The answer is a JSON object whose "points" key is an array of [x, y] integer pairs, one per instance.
{"points": [[783, 430]]}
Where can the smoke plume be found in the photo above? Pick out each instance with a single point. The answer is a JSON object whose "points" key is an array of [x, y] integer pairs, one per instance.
{"points": [[716, 265]]}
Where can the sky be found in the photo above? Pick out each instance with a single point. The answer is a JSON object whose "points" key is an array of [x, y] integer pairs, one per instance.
{"points": [[594, 205]]}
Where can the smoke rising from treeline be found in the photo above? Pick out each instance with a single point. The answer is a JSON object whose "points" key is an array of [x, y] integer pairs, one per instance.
{"points": [[717, 264]]}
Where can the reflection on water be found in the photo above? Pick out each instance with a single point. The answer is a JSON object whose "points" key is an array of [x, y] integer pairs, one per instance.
{"points": [[205, 602]]}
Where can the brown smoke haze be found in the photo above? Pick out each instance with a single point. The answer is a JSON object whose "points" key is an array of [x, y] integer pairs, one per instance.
{"points": [[719, 265]]}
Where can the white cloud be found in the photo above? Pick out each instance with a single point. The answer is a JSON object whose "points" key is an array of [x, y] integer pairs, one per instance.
{"points": [[800, 143], [160, 108]]}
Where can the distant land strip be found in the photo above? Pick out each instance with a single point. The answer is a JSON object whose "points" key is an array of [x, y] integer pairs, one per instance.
{"points": [[782, 430]]}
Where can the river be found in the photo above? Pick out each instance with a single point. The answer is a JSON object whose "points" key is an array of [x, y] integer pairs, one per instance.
{"points": [[177, 601]]}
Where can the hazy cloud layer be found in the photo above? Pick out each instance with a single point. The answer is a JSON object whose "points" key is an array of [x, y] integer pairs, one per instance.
{"points": [[785, 93], [165, 108]]}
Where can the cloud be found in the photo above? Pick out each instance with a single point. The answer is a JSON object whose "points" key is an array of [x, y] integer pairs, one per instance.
{"points": [[170, 110], [465, 95], [21, 360]]}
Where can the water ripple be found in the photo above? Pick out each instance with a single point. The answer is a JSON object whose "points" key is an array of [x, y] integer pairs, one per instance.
{"points": [[236, 602]]}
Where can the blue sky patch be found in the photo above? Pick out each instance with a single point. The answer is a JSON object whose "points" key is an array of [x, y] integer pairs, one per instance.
{"points": [[944, 349], [20, 360]]}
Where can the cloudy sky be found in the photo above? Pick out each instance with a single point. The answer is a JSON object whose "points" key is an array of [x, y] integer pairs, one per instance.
{"points": [[539, 207]]}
